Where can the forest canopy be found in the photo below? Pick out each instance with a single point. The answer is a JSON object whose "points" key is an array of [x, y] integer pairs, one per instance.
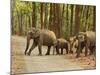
{"points": [[64, 19]]}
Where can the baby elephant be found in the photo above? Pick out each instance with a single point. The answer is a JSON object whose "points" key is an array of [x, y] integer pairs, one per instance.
{"points": [[62, 44]]}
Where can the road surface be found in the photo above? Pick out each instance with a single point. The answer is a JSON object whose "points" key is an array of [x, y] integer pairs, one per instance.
{"points": [[21, 63]]}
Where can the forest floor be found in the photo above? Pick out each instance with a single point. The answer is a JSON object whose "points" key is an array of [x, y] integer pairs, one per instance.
{"points": [[21, 63]]}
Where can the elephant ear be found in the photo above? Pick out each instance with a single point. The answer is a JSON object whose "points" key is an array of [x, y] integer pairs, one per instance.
{"points": [[37, 33]]}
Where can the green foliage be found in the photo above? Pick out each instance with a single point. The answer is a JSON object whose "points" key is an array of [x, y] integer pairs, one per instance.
{"points": [[22, 17]]}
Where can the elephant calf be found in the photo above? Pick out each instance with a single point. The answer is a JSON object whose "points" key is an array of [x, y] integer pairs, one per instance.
{"points": [[62, 44]]}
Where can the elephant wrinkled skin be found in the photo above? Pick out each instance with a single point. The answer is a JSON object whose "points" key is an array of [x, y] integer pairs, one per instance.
{"points": [[40, 38]]}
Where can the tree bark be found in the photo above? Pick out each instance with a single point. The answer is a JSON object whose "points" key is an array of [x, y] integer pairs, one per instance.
{"points": [[51, 17], [12, 16], [42, 16], [33, 14], [71, 20], [86, 21], [94, 19], [46, 17], [77, 19]]}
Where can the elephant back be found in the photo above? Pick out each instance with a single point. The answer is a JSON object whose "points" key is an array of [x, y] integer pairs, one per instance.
{"points": [[91, 37], [62, 42], [47, 37]]}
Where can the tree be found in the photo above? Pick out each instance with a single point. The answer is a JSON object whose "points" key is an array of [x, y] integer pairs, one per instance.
{"points": [[65, 20], [86, 21], [94, 18], [33, 14], [71, 26], [46, 15], [51, 17], [57, 20], [42, 15], [77, 19], [12, 15]]}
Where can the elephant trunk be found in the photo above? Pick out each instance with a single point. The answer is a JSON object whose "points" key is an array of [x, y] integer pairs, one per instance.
{"points": [[27, 45]]}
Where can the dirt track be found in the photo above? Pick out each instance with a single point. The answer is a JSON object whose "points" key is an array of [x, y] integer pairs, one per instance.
{"points": [[35, 63]]}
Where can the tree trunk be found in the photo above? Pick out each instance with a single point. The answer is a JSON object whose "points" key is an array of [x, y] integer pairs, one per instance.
{"points": [[62, 20], [67, 15], [29, 21], [57, 21], [71, 20], [20, 26], [51, 17], [86, 21], [12, 16], [77, 19], [33, 14], [42, 17], [46, 17], [94, 18]]}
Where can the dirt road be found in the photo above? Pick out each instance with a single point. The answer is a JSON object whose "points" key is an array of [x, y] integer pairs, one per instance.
{"points": [[35, 63]]}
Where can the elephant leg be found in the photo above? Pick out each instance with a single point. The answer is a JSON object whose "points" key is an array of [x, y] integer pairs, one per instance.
{"points": [[48, 51], [70, 51], [91, 52], [78, 49], [27, 46], [86, 49], [78, 52], [53, 50], [81, 51], [92, 49], [40, 52], [57, 50], [32, 47], [66, 51], [61, 50]]}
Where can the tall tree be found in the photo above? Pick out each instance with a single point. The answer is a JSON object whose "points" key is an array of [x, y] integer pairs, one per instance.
{"points": [[62, 20], [86, 20], [42, 15], [71, 26], [20, 22], [33, 14], [67, 14], [57, 19], [94, 18], [51, 17], [12, 15], [46, 15], [77, 19]]}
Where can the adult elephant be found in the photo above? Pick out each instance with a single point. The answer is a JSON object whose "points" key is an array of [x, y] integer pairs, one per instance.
{"points": [[89, 41], [40, 38]]}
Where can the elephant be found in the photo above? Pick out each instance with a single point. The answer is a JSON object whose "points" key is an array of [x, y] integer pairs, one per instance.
{"points": [[41, 37], [72, 42], [88, 40], [62, 44], [75, 44]]}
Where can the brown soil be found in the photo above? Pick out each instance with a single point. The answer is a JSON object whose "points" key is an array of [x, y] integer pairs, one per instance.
{"points": [[21, 63]]}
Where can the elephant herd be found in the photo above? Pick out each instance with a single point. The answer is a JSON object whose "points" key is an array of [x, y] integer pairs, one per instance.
{"points": [[44, 37]]}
